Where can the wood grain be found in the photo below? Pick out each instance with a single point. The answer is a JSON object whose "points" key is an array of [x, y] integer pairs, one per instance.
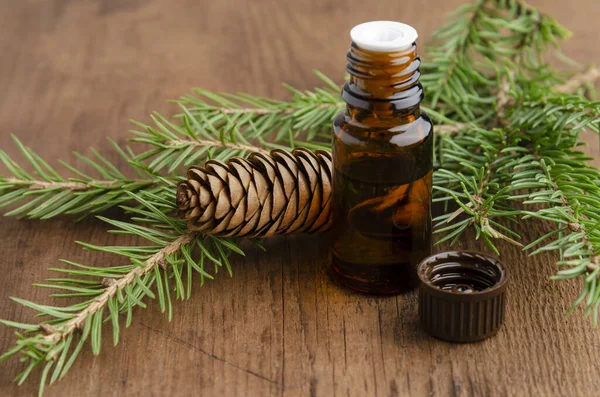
{"points": [[72, 73]]}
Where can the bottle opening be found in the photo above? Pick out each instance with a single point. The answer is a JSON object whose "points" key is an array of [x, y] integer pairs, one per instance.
{"points": [[383, 36]]}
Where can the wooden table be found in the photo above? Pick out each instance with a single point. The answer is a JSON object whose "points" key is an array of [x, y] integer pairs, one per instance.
{"points": [[72, 73]]}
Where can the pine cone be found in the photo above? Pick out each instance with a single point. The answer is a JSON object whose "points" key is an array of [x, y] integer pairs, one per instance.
{"points": [[260, 196]]}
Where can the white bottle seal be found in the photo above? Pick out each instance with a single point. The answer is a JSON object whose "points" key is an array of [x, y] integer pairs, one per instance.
{"points": [[383, 36]]}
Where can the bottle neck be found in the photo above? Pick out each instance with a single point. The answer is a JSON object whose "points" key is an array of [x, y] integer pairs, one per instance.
{"points": [[383, 87]]}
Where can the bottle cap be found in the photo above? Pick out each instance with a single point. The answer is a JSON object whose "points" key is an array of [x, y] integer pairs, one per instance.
{"points": [[383, 36], [462, 295]]}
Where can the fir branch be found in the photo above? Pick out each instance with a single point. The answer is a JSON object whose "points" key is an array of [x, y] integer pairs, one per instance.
{"points": [[475, 171], [163, 270], [549, 124], [478, 183], [46, 193], [543, 114], [569, 192], [221, 126], [101, 301], [444, 78], [484, 34], [307, 113], [570, 212]]}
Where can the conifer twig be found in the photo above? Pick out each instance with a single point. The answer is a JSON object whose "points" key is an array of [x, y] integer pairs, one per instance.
{"points": [[101, 301], [154, 271], [48, 193], [73, 186]]}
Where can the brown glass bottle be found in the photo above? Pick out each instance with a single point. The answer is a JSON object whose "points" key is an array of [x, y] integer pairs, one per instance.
{"points": [[382, 158]]}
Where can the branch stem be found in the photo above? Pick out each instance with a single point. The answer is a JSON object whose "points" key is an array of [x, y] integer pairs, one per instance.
{"points": [[219, 144], [449, 129], [110, 291], [71, 185], [263, 111], [591, 75]]}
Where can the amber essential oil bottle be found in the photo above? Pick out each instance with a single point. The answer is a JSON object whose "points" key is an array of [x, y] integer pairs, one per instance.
{"points": [[382, 158]]}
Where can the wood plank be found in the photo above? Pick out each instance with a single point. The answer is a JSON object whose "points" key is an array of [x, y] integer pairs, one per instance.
{"points": [[72, 73]]}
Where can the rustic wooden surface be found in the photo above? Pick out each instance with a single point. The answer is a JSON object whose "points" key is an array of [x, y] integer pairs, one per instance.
{"points": [[72, 73]]}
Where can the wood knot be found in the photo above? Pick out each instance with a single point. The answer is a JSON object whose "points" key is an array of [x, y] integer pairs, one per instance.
{"points": [[162, 263], [477, 199], [47, 329], [108, 282], [594, 263]]}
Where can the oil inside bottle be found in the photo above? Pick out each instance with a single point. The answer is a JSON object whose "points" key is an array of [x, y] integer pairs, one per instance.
{"points": [[383, 218]]}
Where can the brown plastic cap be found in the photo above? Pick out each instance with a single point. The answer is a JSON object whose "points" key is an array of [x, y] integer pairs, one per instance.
{"points": [[462, 295]]}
